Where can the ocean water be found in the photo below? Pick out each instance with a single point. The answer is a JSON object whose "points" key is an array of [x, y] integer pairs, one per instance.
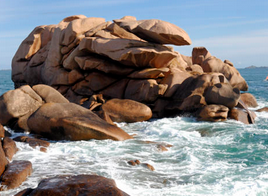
{"points": [[226, 158]]}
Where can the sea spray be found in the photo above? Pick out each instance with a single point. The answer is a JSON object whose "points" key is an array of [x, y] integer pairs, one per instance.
{"points": [[226, 158]]}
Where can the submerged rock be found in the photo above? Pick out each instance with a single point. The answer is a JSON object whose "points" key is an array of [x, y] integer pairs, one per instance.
{"points": [[16, 173], [265, 109], [33, 142]]}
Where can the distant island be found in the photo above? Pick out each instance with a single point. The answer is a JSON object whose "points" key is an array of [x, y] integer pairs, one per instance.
{"points": [[255, 67]]}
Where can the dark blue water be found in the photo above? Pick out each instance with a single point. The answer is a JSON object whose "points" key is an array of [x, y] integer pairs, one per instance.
{"points": [[226, 158]]}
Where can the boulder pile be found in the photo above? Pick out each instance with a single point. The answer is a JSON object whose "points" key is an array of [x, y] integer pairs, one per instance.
{"points": [[88, 58], [43, 110]]}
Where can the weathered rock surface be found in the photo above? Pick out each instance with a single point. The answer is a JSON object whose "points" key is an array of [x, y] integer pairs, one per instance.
{"points": [[125, 59], [199, 55], [9, 147], [49, 94], [129, 52], [16, 173], [77, 185], [156, 31], [125, 110], [241, 115], [17, 103], [145, 165], [24, 192], [68, 121], [213, 113], [213, 64], [223, 94], [2, 131], [249, 100], [78, 27], [3, 160]]}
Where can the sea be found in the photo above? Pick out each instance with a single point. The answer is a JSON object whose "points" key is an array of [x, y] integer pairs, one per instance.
{"points": [[206, 158]]}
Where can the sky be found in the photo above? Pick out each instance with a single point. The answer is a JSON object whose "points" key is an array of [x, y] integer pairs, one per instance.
{"points": [[236, 30]]}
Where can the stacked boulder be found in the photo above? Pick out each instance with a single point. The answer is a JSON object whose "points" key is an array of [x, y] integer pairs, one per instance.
{"points": [[126, 59]]}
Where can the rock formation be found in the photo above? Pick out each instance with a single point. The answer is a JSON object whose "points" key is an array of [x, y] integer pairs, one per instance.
{"points": [[125, 59], [118, 71]]}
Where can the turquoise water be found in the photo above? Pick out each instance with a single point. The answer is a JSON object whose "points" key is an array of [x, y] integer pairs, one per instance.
{"points": [[5, 81], [226, 158]]}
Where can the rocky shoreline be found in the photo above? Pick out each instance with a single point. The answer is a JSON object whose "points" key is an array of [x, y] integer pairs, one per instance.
{"points": [[75, 79]]}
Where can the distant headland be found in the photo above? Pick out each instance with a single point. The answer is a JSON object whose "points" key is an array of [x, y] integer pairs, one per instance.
{"points": [[255, 67]]}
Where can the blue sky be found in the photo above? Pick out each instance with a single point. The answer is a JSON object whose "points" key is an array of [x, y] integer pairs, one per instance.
{"points": [[236, 30]]}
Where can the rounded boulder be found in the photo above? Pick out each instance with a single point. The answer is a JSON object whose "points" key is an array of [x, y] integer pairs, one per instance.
{"points": [[249, 100], [126, 110]]}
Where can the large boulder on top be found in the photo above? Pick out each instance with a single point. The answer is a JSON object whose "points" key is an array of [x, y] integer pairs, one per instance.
{"points": [[77, 185], [125, 110], [118, 31], [68, 121], [156, 31]]}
